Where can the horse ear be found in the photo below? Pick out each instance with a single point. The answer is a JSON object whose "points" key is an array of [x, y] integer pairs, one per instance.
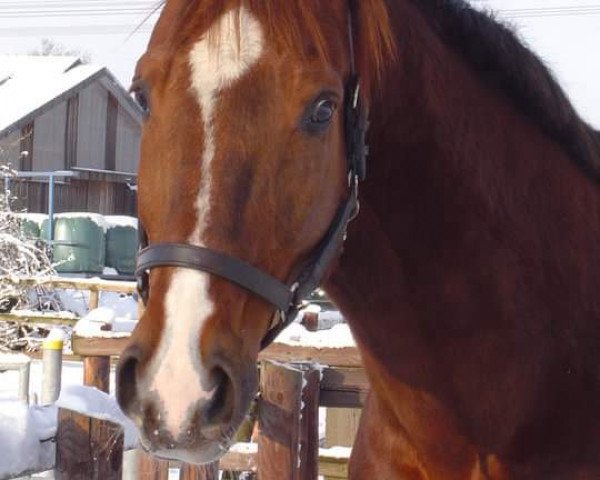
{"points": [[356, 126]]}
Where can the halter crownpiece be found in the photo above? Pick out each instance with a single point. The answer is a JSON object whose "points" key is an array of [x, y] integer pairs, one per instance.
{"points": [[287, 298]]}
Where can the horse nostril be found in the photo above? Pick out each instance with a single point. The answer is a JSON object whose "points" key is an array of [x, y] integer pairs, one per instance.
{"points": [[127, 378], [220, 407]]}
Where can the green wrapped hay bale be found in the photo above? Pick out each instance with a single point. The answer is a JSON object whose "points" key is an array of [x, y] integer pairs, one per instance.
{"points": [[79, 243], [31, 224], [121, 243]]}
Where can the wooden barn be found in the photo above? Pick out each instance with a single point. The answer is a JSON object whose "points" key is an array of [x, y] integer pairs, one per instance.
{"points": [[58, 114]]}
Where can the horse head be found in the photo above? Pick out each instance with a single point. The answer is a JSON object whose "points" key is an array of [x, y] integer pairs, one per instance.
{"points": [[244, 153]]}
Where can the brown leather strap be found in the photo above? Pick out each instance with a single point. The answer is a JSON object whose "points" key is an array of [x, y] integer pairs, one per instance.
{"points": [[203, 259]]}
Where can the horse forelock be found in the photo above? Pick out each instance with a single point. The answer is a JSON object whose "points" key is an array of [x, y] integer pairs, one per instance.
{"points": [[293, 25]]}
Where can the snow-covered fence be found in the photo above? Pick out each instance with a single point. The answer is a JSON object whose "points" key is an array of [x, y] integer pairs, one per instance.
{"points": [[20, 363], [299, 372]]}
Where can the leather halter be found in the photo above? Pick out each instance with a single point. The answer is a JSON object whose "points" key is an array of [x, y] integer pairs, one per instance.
{"points": [[285, 297]]}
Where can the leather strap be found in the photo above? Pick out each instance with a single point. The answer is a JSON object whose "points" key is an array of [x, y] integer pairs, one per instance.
{"points": [[203, 259]]}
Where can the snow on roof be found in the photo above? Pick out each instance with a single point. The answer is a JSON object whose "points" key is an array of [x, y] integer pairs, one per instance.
{"points": [[27, 83]]}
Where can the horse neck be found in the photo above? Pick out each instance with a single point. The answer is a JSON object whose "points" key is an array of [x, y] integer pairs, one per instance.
{"points": [[462, 259]]}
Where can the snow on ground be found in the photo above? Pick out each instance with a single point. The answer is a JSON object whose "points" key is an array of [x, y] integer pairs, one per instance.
{"points": [[22, 427], [23, 430]]}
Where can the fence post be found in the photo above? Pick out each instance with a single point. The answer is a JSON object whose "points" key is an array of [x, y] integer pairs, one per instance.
{"points": [[87, 448], [288, 420], [94, 300], [199, 472], [151, 468], [96, 372]]}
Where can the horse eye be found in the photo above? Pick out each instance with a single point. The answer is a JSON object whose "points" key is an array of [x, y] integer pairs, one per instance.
{"points": [[323, 111], [141, 97]]}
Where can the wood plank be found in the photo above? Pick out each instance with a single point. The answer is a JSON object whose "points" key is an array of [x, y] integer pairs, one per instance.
{"points": [[38, 317], [344, 387], [80, 284], [340, 357], [333, 399], [151, 468], [309, 424], [333, 464], [94, 299], [87, 448], [341, 427], [199, 472], [96, 372], [243, 457], [279, 421], [98, 346]]}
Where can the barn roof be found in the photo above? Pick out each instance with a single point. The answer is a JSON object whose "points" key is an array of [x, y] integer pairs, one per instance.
{"points": [[30, 85]]}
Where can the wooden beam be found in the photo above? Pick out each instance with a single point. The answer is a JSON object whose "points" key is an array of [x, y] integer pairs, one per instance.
{"points": [[151, 468], [288, 422], [94, 299], [341, 357], [242, 457], [309, 424], [38, 317], [87, 448], [96, 372], [348, 357], [98, 346], [199, 472], [79, 284]]}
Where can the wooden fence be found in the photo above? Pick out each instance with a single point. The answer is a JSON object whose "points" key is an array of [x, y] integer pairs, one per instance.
{"points": [[294, 382]]}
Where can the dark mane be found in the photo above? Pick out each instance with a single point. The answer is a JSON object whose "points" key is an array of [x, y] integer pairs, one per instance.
{"points": [[505, 63]]}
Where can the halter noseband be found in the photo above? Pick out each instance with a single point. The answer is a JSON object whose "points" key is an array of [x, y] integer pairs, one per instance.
{"points": [[286, 298]]}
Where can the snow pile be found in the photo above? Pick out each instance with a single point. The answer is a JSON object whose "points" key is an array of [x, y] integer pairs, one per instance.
{"points": [[97, 404], [105, 322], [339, 336], [25, 437], [27, 432]]}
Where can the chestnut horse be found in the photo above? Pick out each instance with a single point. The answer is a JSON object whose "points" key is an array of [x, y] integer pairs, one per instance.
{"points": [[470, 277]]}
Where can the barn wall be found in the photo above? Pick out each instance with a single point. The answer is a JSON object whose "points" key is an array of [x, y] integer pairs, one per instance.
{"points": [[92, 126], [49, 139], [74, 195], [10, 149], [128, 142]]}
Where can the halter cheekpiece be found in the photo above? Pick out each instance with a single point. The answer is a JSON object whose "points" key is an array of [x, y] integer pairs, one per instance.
{"points": [[287, 298]]}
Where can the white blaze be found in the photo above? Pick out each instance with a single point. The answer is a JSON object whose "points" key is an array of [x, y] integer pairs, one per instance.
{"points": [[232, 45]]}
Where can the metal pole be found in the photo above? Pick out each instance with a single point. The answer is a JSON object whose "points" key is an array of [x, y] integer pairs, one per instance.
{"points": [[24, 381], [52, 366], [51, 207]]}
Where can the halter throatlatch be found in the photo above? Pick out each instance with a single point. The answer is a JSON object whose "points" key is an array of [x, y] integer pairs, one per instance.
{"points": [[286, 298]]}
